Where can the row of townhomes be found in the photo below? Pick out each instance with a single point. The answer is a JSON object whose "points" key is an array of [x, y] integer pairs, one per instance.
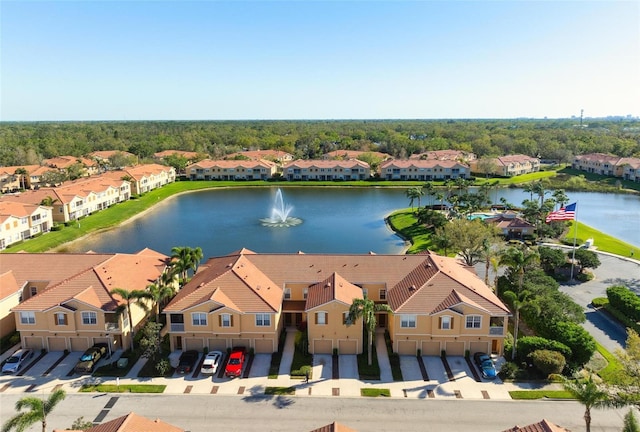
{"points": [[34, 211], [599, 163], [507, 166], [246, 298], [63, 301]]}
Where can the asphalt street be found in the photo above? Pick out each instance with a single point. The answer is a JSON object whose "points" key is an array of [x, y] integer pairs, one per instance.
{"points": [[201, 413]]}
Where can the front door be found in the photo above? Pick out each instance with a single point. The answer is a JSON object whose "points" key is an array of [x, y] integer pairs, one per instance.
{"points": [[382, 320], [178, 342]]}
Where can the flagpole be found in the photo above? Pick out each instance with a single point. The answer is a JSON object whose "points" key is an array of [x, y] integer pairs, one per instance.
{"points": [[575, 236]]}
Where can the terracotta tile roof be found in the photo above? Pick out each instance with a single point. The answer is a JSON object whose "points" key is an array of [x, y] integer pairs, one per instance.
{"points": [[223, 163], [334, 427], [443, 155], [333, 288], [133, 422], [139, 171], [421, 163], [11, 170], [8, 284], [87, 278], [542, 426], [515, 159], [67, 161], [508, 222], [415, 283], [326, 163], [261, 154], [632, 162], [16, 209]]}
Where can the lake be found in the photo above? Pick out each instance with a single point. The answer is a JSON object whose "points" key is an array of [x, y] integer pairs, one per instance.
{"points": [[335, 220]]}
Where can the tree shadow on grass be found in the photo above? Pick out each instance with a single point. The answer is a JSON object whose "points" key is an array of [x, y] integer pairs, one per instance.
{"points": [[257, 394]]}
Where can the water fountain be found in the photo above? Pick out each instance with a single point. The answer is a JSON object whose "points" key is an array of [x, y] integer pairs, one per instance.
{"points": [[280, 214]]}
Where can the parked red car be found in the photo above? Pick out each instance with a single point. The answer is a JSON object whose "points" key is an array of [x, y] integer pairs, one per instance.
{"points": [[235, 363]]}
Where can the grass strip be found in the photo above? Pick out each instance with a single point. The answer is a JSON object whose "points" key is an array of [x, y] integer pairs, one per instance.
{"points": [[123, 388], [280, 390], [375, 392], [539, 394], [603, 242], [405, 223]]}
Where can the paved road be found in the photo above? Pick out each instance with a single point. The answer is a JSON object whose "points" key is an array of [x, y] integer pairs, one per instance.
{"points": [[204, 413]]}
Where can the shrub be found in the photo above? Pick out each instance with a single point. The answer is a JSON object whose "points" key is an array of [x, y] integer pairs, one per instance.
{"points": [[548, 362], [508, 371], [580, 342], [528, 344], [621, 298], [599, 302]]}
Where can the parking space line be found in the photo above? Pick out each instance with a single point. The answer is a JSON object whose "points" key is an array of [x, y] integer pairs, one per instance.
{"points": [[447, 368], [335, 363]]}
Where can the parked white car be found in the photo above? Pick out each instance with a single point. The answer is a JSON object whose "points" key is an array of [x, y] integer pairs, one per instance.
{"points": [[211, 362], [16, 361]]}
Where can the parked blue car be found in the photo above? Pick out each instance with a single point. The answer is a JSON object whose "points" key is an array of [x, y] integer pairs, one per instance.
{"points": [[486, 366]]}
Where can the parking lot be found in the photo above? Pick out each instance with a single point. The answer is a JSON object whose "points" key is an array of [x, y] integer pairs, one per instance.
{"points": [[425, 377]]}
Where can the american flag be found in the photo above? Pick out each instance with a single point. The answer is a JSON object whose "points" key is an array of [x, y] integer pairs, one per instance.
{"points": [[565, 213]]}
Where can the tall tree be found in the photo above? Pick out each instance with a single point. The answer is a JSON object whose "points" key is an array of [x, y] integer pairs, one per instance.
{"points": [[470, 238], [366, 309], [560, 197], [428, 189], [413, 194], [130, 298], [38, 410], [158, 293], [185, 258]]}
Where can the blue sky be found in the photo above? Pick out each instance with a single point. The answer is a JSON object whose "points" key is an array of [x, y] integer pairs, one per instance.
{"points": [[218, 60]]}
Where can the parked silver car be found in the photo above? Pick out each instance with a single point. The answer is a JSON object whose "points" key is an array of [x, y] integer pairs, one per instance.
{"points": [[16, 361]]}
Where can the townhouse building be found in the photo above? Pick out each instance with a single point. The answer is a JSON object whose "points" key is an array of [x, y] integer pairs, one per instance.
{"points": [[145, 178], [627, 168], [246, 298], [507, 166], [65, 300], [423, 169], [209, 169], [326, 170], [20, 221]]}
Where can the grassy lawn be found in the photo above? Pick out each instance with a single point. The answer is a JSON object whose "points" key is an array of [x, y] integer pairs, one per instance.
{"points": [[375, 392], [280, 390], [612, 373], [300, 364], [123, 388], [603, 242], [405, 223], [365, 371], [539, 394]]}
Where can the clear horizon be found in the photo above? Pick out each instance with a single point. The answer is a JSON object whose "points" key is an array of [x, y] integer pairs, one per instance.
{"points": [[321, 60]]}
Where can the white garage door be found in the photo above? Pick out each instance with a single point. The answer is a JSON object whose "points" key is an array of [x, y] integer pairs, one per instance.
{"points": [[322, 347], [431, 348], [455, 348], [407, 348], [264, 346]]}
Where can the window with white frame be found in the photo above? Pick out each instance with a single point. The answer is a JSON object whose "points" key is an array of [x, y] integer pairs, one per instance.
{"points": [[263, 320], [446, 322], [304, 293], [34, 290], [61, 319], [27, 317], [225, 320], [321, 318], [199, 319], [474, 322], [345, 318], [408, 321], [383, 294], [287, 293], [89, 318]]}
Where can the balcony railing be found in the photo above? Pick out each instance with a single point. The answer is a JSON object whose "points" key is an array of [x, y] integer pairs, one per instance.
{"points": [[111, 326], [496, 331], [177, 327]]}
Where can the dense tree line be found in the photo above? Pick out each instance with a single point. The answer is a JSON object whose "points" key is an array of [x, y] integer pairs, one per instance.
{"points": [[28, 143]]}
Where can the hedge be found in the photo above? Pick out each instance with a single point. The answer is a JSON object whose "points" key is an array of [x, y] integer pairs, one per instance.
{"points": [[529, 344], [621, 298]]}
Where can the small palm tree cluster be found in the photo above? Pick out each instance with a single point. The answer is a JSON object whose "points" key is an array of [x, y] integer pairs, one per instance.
{"points": [[36, 411], [156, 294]]}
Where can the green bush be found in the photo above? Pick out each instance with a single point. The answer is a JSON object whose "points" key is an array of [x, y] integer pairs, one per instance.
{"points": [[548, 362], [508, 371], [624, 300], [580, 342], [599, 302], [302, 342], [528, 344]]}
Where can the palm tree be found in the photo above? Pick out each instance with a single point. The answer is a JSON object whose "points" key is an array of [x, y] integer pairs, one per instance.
{"points": [[366, 309], [518, 260], [428, 190], [48, 201], [185, 258], [39, 409], [560, 197], [413, 194], [129, 298], [159, 292], [22, 177], [589, 394]]}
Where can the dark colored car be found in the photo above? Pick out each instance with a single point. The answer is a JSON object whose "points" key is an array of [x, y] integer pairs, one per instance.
{"points": [[235, 363], [485, 364], [187, 361], [90, 358]]}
